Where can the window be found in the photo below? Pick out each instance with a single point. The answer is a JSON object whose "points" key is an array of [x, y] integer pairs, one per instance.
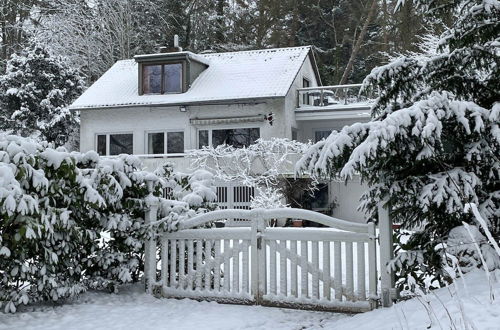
{"points": [[305, 97], [115, 144], [101, 145], [156, 143], [173, 141], [236, 137], [320, 199], [202, 138], [162, 78], [320, 135]]}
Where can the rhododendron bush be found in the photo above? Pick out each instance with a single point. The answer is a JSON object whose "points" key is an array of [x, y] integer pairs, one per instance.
{"points": [[71, 221]]}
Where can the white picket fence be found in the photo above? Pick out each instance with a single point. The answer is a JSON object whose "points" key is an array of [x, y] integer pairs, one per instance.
{"points": [[328, 268]]}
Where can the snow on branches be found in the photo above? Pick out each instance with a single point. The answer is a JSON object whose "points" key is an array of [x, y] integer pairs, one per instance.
{"points": [[71, 221], [35, 93], [260, 165]]}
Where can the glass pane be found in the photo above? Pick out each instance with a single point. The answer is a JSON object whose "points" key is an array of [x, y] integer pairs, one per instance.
{"points": [[172, 78], [202, 139], [238, 137], [305, 97], [320, 135], [320, 199], [120, 144], [156, 143], [175, 142], [151, 79], [101, 145]]}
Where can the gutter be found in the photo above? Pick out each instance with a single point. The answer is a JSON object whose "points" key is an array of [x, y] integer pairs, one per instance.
{"points": [[256, 100]]}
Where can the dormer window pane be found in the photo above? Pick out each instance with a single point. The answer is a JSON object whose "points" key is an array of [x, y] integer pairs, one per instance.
{"points": [[172, 78], [151, 79]]}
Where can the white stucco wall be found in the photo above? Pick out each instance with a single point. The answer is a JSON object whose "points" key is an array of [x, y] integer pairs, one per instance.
{"points": [[346, 197], [141, 120]]}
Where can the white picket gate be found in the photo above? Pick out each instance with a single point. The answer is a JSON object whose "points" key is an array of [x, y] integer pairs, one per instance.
{"points": [[328, 268]]}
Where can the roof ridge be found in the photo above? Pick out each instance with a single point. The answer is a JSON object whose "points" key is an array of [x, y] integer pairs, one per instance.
{"points": [[256, 50]]}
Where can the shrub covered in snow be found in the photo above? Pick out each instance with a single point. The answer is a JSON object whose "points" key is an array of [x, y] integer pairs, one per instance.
{"points": [[434, 140], [187, 194], [70, 221], [35, 93]]}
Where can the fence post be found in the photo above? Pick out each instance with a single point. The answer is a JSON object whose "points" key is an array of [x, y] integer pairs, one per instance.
{"points": [[386, 254], [150, 244]]}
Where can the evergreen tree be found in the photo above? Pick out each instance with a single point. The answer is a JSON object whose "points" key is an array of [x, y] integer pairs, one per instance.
{"points": [[35, 93], [434, 142]]}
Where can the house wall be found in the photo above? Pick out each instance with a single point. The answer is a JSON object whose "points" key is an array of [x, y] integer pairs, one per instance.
{"points": [[140, 120], [346, 198], [307, 129], [307, 72]]}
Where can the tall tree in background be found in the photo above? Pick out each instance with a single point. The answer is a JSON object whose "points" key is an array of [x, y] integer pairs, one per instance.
{"points": [[35, 93], [14, 15], [350, 36]]}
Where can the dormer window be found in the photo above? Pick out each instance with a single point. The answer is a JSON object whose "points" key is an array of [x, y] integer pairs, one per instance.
{"points": [[162, 78]]}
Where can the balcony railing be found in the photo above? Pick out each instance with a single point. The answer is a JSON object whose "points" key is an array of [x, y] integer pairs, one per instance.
{"points": [[333, 96]]}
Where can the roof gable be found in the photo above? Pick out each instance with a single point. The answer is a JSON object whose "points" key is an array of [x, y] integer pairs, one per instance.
{"points": [[230, 76]]}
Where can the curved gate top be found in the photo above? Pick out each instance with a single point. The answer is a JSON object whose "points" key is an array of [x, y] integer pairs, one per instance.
{"points": [[327, 268]]}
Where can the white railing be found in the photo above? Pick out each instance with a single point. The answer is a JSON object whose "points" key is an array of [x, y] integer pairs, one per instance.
{"points": [[332, 268], [332, 96]]}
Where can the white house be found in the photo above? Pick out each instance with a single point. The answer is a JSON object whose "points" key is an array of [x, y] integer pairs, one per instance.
{"points": [[159, 105]]}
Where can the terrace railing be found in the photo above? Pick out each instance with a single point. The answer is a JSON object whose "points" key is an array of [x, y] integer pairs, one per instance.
{"points": [[331, 96]]}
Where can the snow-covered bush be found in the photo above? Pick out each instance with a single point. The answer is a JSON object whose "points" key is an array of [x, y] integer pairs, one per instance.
{"points": [[186, 194], [433, 143], [69, 221], [35, 93]]}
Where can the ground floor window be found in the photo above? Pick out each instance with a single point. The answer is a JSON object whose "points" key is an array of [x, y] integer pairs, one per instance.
{"points": [[320, 135], [165, 142], [236, 137], [115, 144]]}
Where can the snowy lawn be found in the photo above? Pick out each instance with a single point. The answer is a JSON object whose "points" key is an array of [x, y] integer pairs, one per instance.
{"points": [[132, 309]]}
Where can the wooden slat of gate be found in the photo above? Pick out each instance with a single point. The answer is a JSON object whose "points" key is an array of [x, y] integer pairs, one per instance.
{"points": [[293, 269], [283, 268], [304, 273], [217, 264], [337, 278], [326, 270]]}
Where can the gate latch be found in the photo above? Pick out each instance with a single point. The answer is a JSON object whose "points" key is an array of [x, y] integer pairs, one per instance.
{"points": [[259, 241]]}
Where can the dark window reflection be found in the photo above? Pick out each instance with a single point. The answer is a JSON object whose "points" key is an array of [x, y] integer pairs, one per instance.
{"points": [[175, 142], [156, 143], [202, 138], [101, 145], [238, 138], [120, 144], [151, 79]]}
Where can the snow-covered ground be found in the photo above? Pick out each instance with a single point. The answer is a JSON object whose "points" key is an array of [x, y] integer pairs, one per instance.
{"points": [[132, 309]]}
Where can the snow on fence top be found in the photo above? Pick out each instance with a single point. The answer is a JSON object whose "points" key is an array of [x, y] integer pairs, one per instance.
{"points": [[232, 75]]}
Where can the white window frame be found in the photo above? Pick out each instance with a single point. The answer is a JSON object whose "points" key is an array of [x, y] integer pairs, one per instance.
{"points": [[108, 140], [164, 131], [211, 128]]}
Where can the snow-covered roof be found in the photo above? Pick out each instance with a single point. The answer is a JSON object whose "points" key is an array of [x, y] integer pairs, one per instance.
{"points": [[229, 76]]}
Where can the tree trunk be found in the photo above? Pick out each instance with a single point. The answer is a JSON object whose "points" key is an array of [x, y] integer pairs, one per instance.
{"points": [[357, 45]]}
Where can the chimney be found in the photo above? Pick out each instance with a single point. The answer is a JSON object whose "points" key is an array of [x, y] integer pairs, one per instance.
{"points": [[175, 48], [176, 41]]}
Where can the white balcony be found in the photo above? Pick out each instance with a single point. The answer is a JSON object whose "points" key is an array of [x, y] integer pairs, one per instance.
{"points": [[182, 163], [152, 162], [333, 102]]}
